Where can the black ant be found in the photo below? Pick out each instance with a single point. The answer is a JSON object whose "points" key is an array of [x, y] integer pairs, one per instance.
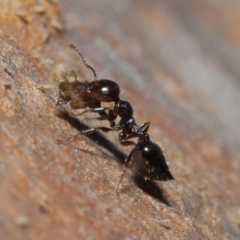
{"points": [[146, 156]]}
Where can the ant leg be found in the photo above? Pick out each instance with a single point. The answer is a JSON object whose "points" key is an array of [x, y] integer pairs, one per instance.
{"points": [[110, 116], [127, 162], [96, 118], [43, 87], [127, 143], [62, 102], [84, 60], [90, 130], [96, 110], [123, 140], [87, 131]]}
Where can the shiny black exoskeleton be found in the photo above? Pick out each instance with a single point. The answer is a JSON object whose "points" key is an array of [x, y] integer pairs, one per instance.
{"points": [[146, 156]]}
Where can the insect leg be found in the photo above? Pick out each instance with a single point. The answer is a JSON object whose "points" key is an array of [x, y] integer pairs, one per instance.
{"points": [[127, 162]]}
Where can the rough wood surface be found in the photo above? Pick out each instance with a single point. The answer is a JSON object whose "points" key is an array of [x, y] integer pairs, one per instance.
{"points": [[177, 63]]}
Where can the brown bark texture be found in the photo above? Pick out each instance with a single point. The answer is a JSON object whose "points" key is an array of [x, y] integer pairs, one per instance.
{"points": [[177, 63]]}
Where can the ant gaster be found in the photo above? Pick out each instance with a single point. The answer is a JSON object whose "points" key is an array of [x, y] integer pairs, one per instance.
{"points": [[146, 156]]}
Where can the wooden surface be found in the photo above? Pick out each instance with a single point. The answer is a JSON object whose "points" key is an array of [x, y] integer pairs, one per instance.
{"points": [[177, 62]]}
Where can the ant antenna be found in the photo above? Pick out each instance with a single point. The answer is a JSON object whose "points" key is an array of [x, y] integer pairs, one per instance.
{"points": [[84, 60]]}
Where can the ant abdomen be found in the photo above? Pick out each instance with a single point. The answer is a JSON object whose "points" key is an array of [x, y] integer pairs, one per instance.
{"points": [[149, 161]]}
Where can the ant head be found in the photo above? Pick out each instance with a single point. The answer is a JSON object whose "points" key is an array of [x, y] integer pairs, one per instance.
{"points": [[149, 161]]}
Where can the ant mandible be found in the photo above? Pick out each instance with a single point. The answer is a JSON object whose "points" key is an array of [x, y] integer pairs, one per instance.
{"points": [[146, 156]]}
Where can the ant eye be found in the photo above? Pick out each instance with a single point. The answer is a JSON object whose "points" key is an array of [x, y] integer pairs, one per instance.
{"points": [[149, 161]]}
